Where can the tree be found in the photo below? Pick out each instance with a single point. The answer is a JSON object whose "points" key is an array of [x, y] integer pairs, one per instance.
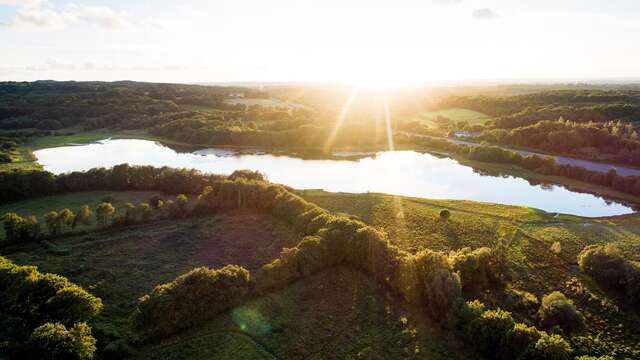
{"points": [[66, 218], [181, 204], [52, 219], [131, 213], [83, 217], [104, 214], [557, 310], [55, 341], [145, 211], [19, 229], [155, 202]]}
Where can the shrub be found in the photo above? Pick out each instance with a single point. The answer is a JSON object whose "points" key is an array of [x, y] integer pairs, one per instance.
{"points": [[556, 309], [191, 299], [66, 219], [427, 278], [552, 347], [247, 175], [611, 270], [445, 214], [83, 216], [491, 329], [19, 229], [55, 341], [520, 341], [521, 300], [130, 214], [104, 214], [38, 297], [155, 202], [477, 269], [145, 211]]}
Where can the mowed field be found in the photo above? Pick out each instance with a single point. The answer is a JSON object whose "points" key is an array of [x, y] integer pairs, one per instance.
{"points": [[455, 114]]}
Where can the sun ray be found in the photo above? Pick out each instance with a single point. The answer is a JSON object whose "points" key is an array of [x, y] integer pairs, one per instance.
{"points": [[343, 114], [387, 120]]}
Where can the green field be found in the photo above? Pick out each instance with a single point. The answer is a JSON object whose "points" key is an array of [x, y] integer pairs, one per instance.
{"points": [[455, 114]]}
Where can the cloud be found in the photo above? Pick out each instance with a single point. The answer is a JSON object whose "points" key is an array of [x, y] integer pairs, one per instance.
{"points": [[447, 2], [22, 3], [484, 14], [52, 65], [39, 14]]}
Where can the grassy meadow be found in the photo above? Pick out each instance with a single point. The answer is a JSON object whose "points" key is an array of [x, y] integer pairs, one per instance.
{"points": [[454, 114]]}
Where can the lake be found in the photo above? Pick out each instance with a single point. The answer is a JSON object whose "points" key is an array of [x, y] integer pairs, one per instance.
{"points": [[406, 173]]}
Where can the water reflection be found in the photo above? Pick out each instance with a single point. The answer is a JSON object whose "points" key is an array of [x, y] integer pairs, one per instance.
{"points": [[395, 172]]}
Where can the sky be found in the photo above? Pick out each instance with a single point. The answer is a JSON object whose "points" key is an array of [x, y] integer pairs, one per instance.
{"points": [[352, 41]]}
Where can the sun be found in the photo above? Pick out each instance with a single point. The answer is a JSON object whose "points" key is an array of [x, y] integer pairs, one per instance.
{"points": [[376, 71]]}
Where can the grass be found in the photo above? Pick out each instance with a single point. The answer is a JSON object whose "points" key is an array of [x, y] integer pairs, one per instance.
{"points": [[455, 114]]}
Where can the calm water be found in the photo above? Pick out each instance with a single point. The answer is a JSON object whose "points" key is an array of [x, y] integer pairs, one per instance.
{"points": [[394, 172]]}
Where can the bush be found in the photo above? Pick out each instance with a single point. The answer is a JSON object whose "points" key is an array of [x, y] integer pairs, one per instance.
{"points": [[247, 175], [611, 270], [557, 310], [521, 300], [191, 299], [445, 214], [491, 329], [18, 229], [552, 347], [38, 297], [156, 202], [477, 269], [83, 216], [427, 278], [54, 341], [104, 214], [495, 334]]}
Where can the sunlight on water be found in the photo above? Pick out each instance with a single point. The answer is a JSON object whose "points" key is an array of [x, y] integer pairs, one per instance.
{"points": [[406, 173]]}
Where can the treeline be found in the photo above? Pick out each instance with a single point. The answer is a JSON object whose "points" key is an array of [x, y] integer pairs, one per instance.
{"points": [[581, 114], [535, 163], [44, 316], [589, 104], [15, 185], [614, 142], [22, 229], [51, 105]]}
